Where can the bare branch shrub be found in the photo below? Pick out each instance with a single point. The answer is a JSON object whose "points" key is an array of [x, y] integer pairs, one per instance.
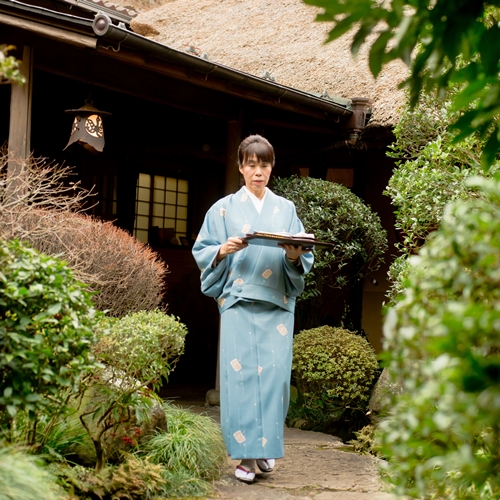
{"points": [[39, 206]]}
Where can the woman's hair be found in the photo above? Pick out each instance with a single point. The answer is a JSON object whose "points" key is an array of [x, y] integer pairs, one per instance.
{"points": [[258, 146]]}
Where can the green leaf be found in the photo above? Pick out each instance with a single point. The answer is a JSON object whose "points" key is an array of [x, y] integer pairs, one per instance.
{"points": [[490, 150], [340, 29], [489, 49], [12, 410], [32, 398], [377, 53]]}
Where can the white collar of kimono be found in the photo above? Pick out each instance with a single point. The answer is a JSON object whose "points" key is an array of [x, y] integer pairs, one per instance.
{"points": [[258, 204]]}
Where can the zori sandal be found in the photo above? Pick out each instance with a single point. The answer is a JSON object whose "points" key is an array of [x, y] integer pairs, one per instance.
{"points": [[266, 464], [244, 475]]}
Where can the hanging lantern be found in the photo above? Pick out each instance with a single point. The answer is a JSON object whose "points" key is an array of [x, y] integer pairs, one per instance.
{"points": [[87, 127]]}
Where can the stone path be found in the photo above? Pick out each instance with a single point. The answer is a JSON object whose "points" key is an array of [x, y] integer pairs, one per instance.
{"points": [[316, 466]]}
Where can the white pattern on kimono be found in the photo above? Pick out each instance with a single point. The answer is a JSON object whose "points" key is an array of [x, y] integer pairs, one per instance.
{"points": [[238, 435], [236, 365], [245, 228], [244, 197], [264, 441], [276, 210], [239, 281], [282, 329], [222, 212], [267, 273], [259, 370]]}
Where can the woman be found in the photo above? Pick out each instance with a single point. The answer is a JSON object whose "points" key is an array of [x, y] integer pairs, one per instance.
{"points": [[255, 288]]}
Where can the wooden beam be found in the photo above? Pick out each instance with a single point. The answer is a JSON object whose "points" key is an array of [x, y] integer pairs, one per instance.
{"points": [[141, 82], [190, 75], [234, 137], [49, 31], [20, 115]]}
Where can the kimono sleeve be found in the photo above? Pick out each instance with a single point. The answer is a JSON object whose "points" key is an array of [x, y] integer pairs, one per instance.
{"points": [[210, 238], [294, 281]]}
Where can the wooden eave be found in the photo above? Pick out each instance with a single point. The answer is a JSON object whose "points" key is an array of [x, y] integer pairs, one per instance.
{"points": [[122, 45]]}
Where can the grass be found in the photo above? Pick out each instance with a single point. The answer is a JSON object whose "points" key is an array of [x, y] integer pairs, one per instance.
{"points": [[193, 443], [21, 478]]}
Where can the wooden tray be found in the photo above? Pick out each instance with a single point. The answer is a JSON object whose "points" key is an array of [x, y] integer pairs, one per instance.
{"points": [[276, 239]]}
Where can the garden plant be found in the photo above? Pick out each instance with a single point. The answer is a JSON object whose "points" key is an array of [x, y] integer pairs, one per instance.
{"points": [[432, 170], [180, 461], [47, 331], [43, 207], [334, 371], [22, 477], [80, 364], [9, 66], [444, 43], [333, 214], [138, 352], [442, 345]]}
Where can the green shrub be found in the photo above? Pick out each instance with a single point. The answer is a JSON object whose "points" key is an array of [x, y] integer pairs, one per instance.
{"points": [[138, 351], [144, 345], [22, 478], [46, 332], [365, 442], [181, 462], [442, 342], [420, 188], [10, 67], [135, 479], [334, 214], [432, 170], [192, 443], [333, 362]]}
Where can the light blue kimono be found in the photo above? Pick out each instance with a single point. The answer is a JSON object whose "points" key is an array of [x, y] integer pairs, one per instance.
{"points": [[255, 289]]}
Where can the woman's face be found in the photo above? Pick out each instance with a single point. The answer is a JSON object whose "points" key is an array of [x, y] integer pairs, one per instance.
{"points": [[256, 175]]}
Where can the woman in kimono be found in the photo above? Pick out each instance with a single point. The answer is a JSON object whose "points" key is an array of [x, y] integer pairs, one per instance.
{"points": [[255, 287]]}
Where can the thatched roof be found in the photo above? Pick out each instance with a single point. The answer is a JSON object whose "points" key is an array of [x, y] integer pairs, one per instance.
{"points": [[279, 37]]}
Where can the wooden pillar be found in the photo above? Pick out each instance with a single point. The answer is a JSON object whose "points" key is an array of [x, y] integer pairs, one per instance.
{"points": [[234, 132], [20, 115]]}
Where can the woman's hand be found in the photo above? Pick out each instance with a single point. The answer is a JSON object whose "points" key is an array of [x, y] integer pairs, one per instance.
{"points": [[232, 245], [293, 252]]}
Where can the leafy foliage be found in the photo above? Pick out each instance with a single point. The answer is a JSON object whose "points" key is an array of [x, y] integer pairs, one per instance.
{"points": [[9, 66], [442, 437], [333, 362], [23, 478], [144, 345], [138, 350], [179, 463], [456, 42], [55, 437], [334, 370], [365, 442], [192, 443], [431, 171], [334, 214], [135, 479], [46, 326]]}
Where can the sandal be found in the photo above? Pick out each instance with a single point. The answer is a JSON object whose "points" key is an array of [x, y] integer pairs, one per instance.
{"points": [[266, 464], [247, 476]]}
